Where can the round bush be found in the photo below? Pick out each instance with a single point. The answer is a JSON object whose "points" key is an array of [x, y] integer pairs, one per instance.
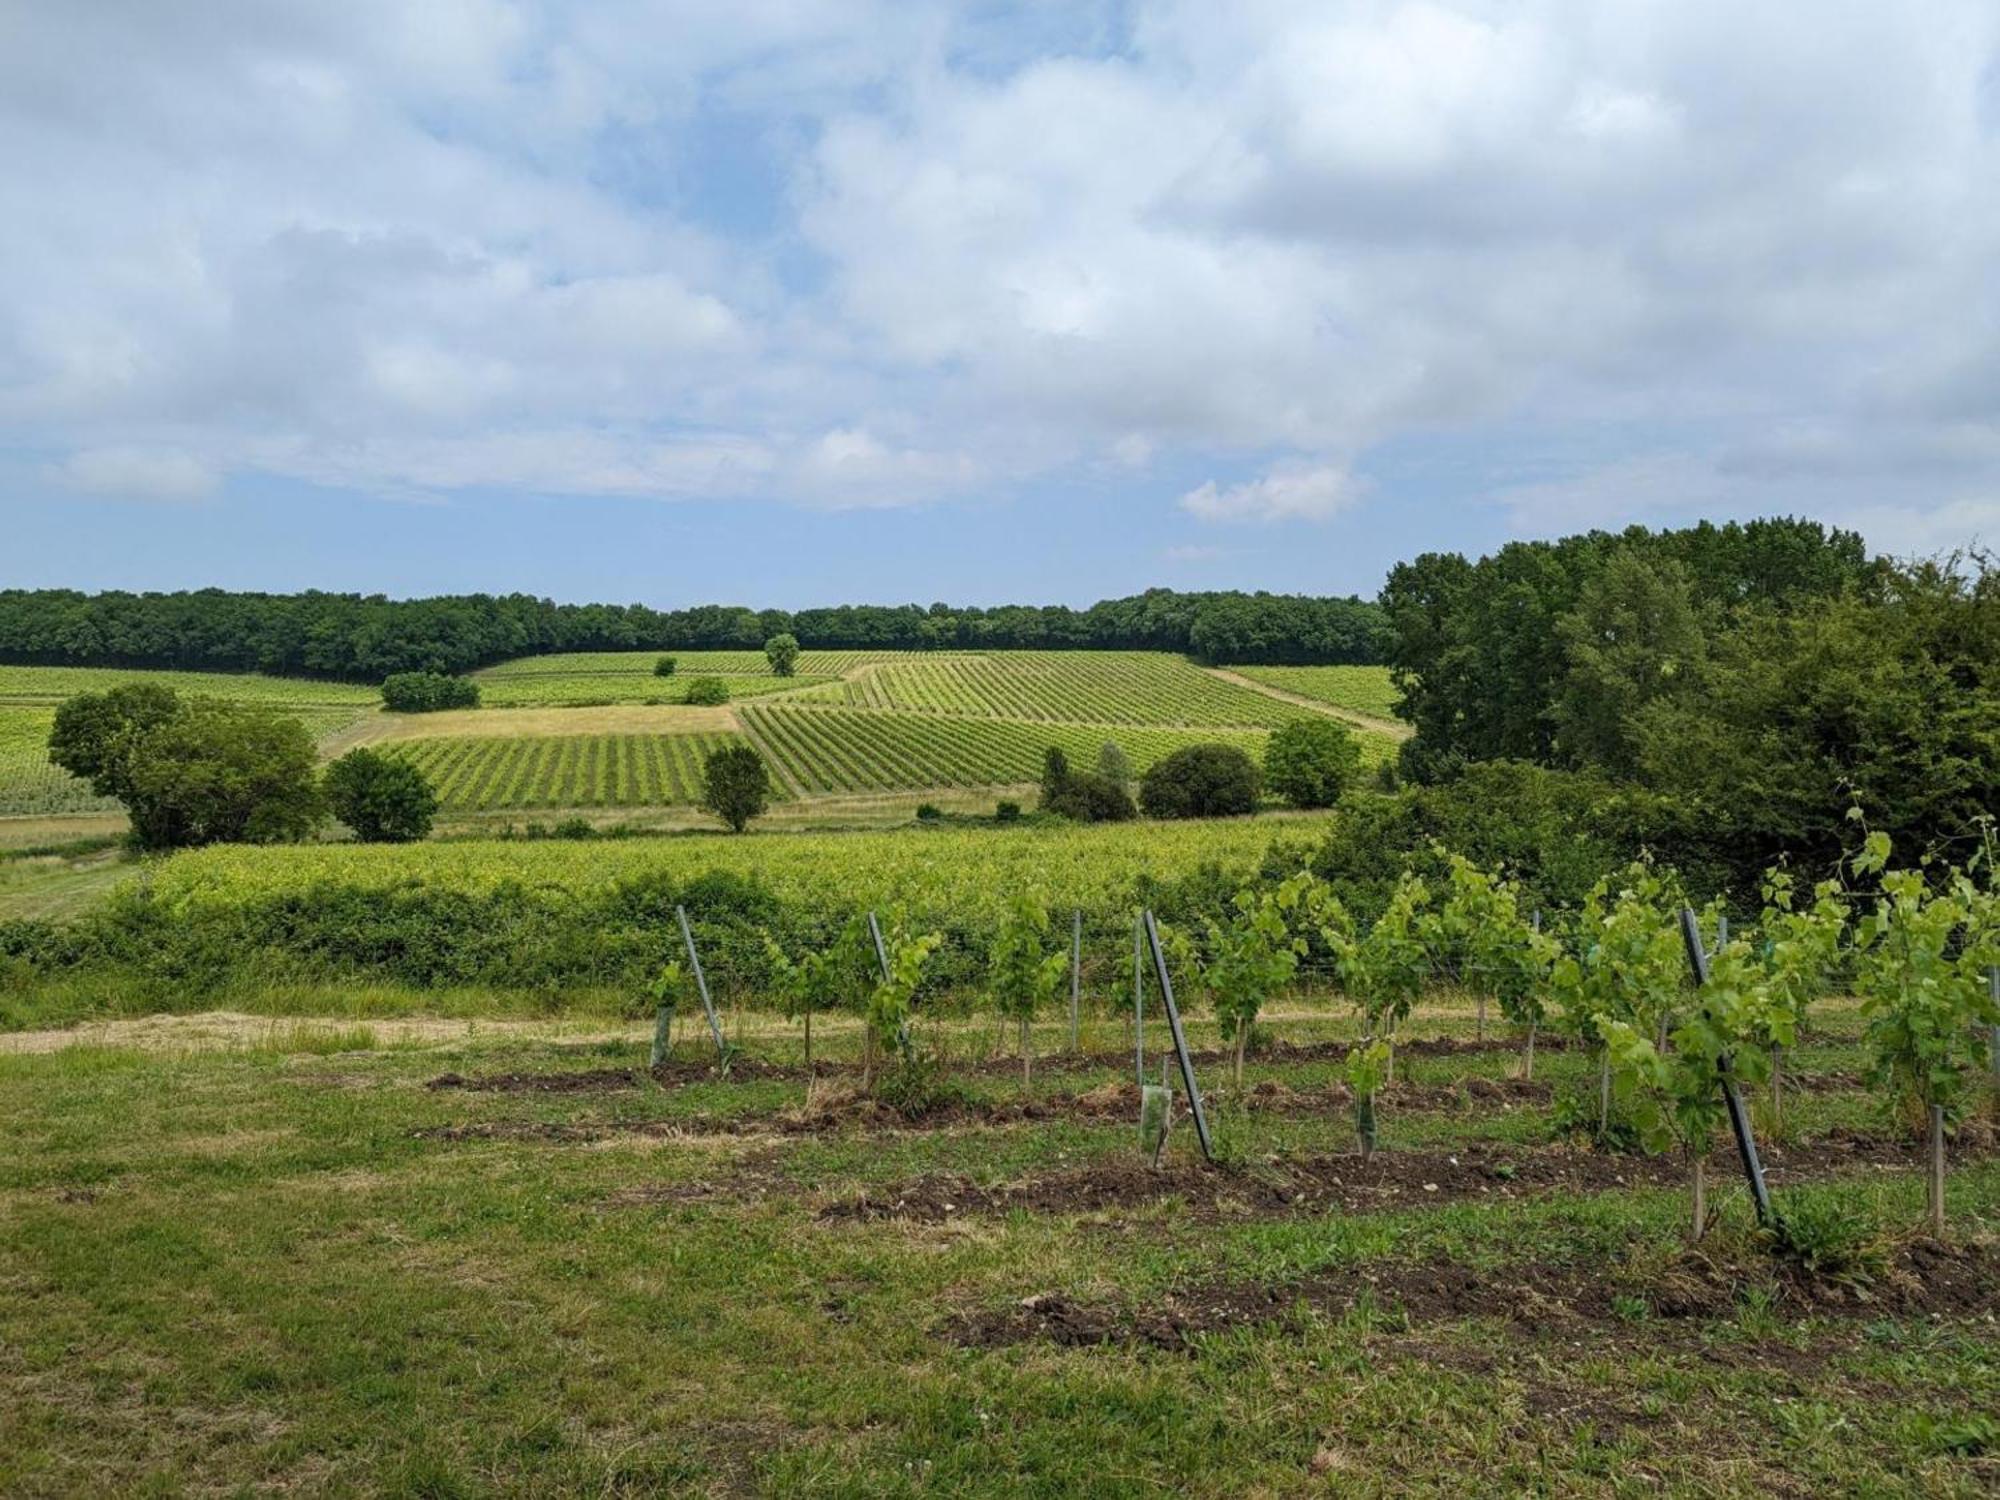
{"points": [[1200, 781], [385, 800], [1310, 762], [706, 692]]}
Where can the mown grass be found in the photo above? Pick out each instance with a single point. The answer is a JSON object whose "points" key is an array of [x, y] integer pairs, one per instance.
{"points": [[240, 1268]]}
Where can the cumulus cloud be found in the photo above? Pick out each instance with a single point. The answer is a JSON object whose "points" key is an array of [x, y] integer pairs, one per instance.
{"points": [[1296, 492], [1665, 254]]}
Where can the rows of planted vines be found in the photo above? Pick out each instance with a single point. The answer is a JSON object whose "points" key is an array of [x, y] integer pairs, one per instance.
{"points": [[846, 750], [599, 689], [475, 774], [52, 685], [748, 663], [1091, 687], [1363, 690], [29, 784]]}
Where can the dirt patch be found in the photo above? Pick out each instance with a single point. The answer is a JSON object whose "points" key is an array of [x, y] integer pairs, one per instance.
{"points": [[1285, 1185], [1537, 1298]]}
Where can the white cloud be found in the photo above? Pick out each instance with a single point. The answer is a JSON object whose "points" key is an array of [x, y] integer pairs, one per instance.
{"points": [[137, 473], [1685, 250], [1297, 492]]}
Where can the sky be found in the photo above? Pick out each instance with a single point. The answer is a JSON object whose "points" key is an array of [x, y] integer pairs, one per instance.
{"points": [[797, 302]]}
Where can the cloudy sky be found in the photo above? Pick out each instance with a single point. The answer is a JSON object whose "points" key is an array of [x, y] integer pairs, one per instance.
{"points": [[796, 301]]}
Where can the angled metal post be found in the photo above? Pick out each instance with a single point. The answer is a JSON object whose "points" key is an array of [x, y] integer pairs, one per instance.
{"points": [[1180, 1038], [1139, 999], [1739, 1117], [700, 980], [882, 959]]}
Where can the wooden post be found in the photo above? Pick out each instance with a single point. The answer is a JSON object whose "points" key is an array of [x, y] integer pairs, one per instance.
{"points": [[1075, 973], [700, 981], [1739, 1118], [1180, 1037]]}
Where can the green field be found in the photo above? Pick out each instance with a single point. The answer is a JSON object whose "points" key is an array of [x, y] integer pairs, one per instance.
{"points": [[51, 685], [585, 678], [28, 783], [834, 750], [1365, 690], [1080, 687], [597, 770]]}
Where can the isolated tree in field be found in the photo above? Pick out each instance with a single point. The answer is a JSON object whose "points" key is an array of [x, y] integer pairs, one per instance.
{"points": [[664, 666], [383, 798], [1113, 766], [1923, 956], [782, 651], [192, 770], [706, 692], [735, 785], [1310, 762], [1200, 781], [1055, 774], [1025, 971]]}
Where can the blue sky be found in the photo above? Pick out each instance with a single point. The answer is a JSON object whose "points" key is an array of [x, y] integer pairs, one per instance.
{"points": [[800, 301]]}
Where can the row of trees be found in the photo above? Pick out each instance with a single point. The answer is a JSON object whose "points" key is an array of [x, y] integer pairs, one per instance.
{"points": [[1309, 762], [1760, 678], [365, 638]]}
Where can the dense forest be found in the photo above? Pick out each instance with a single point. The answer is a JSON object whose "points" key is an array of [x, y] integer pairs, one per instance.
{"points": [[1728, 696], [364, 638]]}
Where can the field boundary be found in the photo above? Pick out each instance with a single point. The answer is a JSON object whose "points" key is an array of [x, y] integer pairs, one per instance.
{"points": [[1392, 728]]}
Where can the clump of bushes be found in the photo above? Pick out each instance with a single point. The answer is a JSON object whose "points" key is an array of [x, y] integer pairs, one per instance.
{"points": [[1082, 796], [1311, 762], [929, 812], [706, 692], [427, 692], [1200, 781], [664, 666], [1006, 811]]}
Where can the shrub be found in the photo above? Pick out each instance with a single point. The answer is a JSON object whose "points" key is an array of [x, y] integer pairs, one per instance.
{"points": [[735, 785], [1113, 766], [1200, 781], [1006, 811], [928, 812], [385, 800], [427, 692], [1310, 762], [707, 691], [1086, 797], [664, 666], [782, 651]]}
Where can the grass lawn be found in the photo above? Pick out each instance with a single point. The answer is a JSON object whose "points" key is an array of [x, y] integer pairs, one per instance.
{"points": [[284, 1259]]}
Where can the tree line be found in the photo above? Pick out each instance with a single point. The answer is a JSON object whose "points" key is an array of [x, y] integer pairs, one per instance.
{"points": [[365, 638], [1725, 694]]}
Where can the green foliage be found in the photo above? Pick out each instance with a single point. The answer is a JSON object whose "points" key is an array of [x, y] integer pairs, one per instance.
{"points": [[1367, 1068], [706, 692], [735, 786], [1800, 948], [384, 799], [1634, 636], [194, 770], [1026, 966], [782, 651], [1113, 765], [1006, 810], [835, 977], [1922, 953], [664, 666], [1201, 781], [1311, 762], [1081, 796], [1252, 954], [1481, 930], [1385, 969], [1629, 963], [1055, 773], [889, 1002], [427, 692]]}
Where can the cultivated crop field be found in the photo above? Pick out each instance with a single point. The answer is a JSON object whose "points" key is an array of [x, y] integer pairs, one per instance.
{"points": [[28, 783], [596, 770], [1084, 687], [587, 678], [432, 1258], [1365, 690], [832, 750]]}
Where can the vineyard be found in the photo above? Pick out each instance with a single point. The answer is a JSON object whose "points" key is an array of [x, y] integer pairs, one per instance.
{"points": [[1364, 690], [832, 750], [29, 785], [1084, 687], [50, 685], [564, 771], [587, 678]]}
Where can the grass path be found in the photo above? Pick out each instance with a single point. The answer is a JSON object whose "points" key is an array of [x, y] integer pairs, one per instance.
{"points": [[1392, 728]]}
